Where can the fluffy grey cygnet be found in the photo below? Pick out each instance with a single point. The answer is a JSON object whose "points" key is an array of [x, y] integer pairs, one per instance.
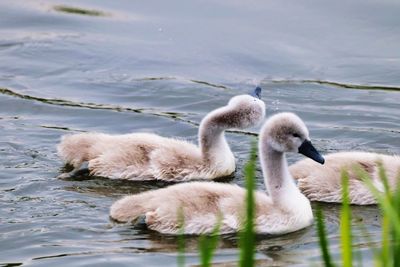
{"points": [[323, 183], [145, 156], [202, 204]]}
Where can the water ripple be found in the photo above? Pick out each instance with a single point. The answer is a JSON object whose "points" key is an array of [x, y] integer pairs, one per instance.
{"points": [[150, 111], [338, 84], [80, 11]]}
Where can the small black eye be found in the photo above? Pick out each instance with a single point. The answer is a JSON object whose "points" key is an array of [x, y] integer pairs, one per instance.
{"points": [[296, 135]]}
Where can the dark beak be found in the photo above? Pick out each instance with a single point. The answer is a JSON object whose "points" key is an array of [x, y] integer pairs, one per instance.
{"points": [[256, 92], [308, 150]]}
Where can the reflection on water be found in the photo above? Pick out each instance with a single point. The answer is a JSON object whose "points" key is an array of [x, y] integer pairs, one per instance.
{"points": [[76, 66]]}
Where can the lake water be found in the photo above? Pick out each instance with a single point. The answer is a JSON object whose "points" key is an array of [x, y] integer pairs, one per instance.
{"points": [[160, 66]]}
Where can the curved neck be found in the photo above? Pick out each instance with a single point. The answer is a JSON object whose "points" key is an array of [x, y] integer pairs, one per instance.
{"points": [[212, 142], [278, 181]]}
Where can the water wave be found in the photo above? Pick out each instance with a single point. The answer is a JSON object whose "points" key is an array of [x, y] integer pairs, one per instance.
{"points": [[338, 84], [62, 102]]}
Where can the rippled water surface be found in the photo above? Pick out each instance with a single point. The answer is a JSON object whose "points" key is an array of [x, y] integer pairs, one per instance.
{"points": [[160, 66]]}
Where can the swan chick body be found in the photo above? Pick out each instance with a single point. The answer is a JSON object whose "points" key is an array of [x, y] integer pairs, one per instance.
{"points": [[323, 183], [203, 204], [145, 156]]}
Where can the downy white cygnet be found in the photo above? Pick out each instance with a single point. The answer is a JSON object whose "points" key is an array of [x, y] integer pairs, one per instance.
{"points": [[200, 205], [145, 156], [323, 183]]}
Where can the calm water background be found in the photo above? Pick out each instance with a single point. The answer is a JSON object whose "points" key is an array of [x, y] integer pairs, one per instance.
{"points": [[160, 66]]}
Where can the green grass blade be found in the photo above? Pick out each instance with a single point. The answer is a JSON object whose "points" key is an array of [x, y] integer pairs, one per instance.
{"points": [[385, 245], [383, 200], [396, 235], [389, 204], [323, 241], [345, 223], [247, 235], [383, 177], [208, 245]]}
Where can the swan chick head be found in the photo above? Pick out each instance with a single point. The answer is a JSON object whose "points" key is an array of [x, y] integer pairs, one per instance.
{"points": [[286, 132], [246, 110]]}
